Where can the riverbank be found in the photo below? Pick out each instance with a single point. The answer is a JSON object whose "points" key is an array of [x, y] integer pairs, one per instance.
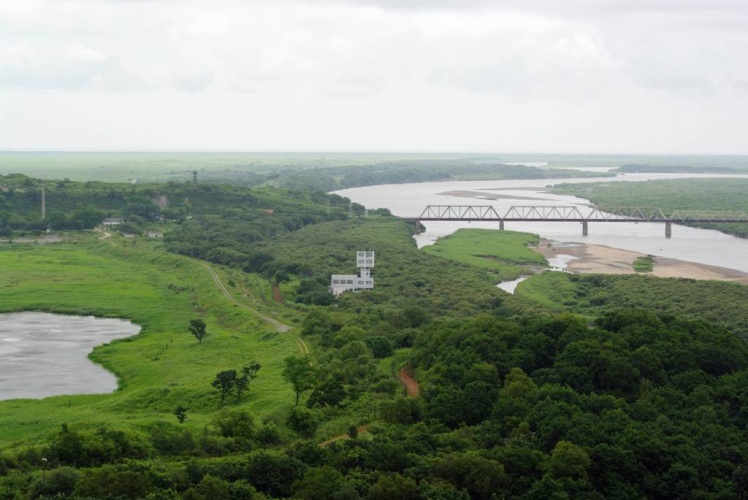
{"points": [[587, 258]]}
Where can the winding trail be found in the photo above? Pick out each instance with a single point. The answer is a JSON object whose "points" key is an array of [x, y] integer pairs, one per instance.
{"points": [[361, 430], [281, 327], [104, 236]]}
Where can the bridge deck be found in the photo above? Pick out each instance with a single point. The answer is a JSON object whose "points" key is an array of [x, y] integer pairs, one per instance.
{"points": [[573, 214]]}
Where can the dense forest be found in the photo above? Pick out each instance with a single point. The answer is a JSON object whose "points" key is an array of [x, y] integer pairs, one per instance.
{"points": [[719, 303], [578, 387], [334, 178], [213, 208]]}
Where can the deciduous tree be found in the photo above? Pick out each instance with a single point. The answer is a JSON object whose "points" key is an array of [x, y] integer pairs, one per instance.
{"points": [[300, 374], [225, 382], [249, 373], [198, 329]]}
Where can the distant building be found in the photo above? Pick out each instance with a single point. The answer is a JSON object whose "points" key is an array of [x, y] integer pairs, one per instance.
{"points": [[155, 234], [340, 283], [113, 221]]}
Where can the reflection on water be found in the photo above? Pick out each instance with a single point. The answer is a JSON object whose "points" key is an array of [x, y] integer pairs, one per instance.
{"points": [[510, 286], [558, 263], [45, 354]]}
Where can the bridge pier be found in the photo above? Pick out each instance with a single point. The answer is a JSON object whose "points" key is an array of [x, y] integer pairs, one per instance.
{"points": [[585, 228], [501, 225], [668, 229]]}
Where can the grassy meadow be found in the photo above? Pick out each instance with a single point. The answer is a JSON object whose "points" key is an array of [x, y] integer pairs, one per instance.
{"points": [[504, 252], [163, 366]]}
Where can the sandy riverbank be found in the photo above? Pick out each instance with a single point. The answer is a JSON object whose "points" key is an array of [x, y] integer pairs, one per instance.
{"points": [[607, 260]]}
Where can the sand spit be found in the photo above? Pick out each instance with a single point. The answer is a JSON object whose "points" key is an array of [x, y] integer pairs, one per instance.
{"points": [[607, 260]]}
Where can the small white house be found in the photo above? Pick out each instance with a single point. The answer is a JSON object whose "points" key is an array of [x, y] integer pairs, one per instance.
{"points": [[340, 283]]}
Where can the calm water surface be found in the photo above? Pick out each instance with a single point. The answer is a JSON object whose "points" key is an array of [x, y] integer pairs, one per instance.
{"points": [[688, 244], [45, 354]]}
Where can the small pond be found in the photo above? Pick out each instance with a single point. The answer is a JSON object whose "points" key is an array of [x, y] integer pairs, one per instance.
{"points": [[44, 354]]}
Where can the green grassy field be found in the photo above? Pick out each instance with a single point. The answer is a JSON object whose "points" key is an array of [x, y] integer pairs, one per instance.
{"points": [[167, 166], [503, 252], [163, 366], [157, 166]]}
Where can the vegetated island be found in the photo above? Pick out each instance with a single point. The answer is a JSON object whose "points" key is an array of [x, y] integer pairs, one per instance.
{"points": [[670, 195]]}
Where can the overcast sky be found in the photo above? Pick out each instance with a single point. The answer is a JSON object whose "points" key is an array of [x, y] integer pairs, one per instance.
{"points": [[608, 76]]}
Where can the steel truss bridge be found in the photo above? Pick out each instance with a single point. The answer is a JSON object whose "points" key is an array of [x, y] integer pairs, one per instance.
{"points": [[583, 215]]}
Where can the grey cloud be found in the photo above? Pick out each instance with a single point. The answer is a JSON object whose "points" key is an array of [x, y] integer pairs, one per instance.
{"points": [[664, 77], [741, 86], [590, 6], [531, 47]]}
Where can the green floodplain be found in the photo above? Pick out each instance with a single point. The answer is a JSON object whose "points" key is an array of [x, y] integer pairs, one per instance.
{"points": [[578, 386]]}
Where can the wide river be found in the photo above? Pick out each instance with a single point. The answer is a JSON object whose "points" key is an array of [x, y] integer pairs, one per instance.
{"points": [[45, 354], [688, 244]]}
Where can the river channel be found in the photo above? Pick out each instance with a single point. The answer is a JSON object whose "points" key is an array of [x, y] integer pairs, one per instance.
{"points": [[45, 354], [687, 244]]}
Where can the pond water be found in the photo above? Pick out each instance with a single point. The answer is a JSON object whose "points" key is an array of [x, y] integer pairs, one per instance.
{"points": [[44, 354]]}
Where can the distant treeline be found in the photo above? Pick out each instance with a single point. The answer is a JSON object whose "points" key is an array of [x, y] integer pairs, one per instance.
{"points": [[675, 169], [334, 178], [211, 210]]}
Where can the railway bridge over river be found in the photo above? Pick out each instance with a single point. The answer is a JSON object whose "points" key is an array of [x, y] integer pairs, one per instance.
{"points": [[571, 213]]}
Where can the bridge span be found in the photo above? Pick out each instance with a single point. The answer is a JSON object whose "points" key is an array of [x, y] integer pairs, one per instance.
{"points": [[571, 213]]}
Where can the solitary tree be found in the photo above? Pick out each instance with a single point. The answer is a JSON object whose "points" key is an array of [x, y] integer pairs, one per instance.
{"points": [[249, 373], [197, 328], [300, 374], [181, 413], [225, 382]]}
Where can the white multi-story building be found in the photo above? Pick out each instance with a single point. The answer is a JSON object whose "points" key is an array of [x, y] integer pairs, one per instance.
{"points": [[340, 283]]}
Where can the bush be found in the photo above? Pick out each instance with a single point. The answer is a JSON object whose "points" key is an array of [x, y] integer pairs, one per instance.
{"points": [[111, 482], [302, 421], [171, 440], [274, 474], [59, 481], [380, 346]]}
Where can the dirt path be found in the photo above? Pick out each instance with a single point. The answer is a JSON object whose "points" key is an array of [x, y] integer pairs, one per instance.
{"points": [[281, 327], [104, 236], [405, 374], [277, 293], [361, 430]]}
